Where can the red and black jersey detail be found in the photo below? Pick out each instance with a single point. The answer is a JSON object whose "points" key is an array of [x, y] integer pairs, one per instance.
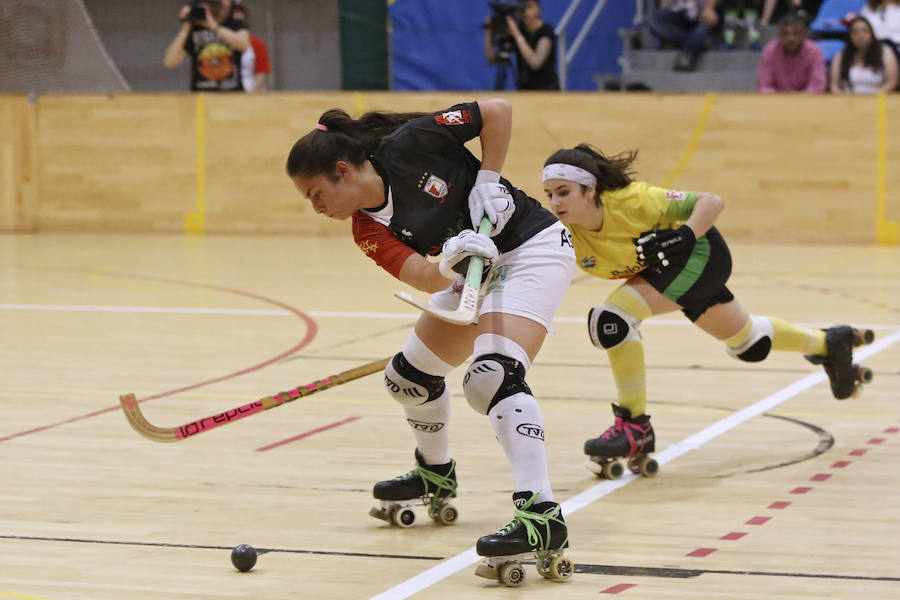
{"points": [[430, 173]]}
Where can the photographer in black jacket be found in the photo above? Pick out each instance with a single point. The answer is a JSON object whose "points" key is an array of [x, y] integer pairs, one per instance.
{"points": [[532, 41], [214, 40]]}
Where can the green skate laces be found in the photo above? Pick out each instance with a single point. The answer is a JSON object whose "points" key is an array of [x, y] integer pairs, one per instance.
{"points": [[530, 521], [437, 481]]}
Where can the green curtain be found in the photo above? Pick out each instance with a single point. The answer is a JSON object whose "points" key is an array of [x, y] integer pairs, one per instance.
{"points": [[364, 44]]}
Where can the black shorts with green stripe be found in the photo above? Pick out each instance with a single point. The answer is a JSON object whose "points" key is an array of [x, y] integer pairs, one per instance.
{"points": [[696, 282]]}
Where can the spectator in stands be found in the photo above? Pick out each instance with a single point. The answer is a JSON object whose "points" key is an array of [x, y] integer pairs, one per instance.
{"points": [[214, 41], [791, 63], [534, 46], [884, 15], [865, 65], [255, 64], [774, 10], [687, 24], [740, 14]]}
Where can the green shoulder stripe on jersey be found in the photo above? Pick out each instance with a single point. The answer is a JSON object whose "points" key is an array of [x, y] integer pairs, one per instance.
{"points": [[691, 272], [680, 210]]}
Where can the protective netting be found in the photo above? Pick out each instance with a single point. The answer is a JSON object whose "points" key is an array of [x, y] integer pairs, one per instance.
{"points": [[52, 46]]}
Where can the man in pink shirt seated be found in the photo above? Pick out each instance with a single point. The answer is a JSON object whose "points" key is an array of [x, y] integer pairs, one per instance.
{"points": [[791, 63]]}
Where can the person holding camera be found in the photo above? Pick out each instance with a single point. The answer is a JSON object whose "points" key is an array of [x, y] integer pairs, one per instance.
{"points": [[214, 40], [533, 41]]}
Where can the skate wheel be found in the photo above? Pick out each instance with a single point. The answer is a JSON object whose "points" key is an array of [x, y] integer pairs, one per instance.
{"points": [[613, 470], [447, 515], [403, 517], [649, 467], [865, 375], [863, 337], [561, 568], [511, 574]]}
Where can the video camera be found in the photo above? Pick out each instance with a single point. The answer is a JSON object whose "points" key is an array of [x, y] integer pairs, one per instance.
{"points": [[501, 38], [198, 9]]}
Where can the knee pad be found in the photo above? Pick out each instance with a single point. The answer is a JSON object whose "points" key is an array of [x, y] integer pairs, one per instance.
{"points": [[758, 345], [610, 326], [410, 386], [491, 378]]}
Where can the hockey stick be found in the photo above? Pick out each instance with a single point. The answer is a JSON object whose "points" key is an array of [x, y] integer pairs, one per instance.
{"points": [[175, 434], [467, 312]]}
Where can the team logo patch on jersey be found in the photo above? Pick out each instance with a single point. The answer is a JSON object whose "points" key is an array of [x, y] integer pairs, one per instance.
{"points": [[435, 186], [588, 262], [673, 195], [453, 117]]}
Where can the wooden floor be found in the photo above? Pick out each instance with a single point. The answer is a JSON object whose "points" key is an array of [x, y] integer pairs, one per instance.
{"points": [[800, 501]]}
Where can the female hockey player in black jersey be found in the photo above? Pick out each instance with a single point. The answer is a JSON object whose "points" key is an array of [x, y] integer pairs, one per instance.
{"points": [[412, 189]]}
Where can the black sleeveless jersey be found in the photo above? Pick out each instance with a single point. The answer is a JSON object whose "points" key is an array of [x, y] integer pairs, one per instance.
{"points": [[428, 174]]}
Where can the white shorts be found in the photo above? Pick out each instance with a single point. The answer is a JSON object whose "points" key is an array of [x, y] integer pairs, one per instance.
{"points": [[529, 281]]}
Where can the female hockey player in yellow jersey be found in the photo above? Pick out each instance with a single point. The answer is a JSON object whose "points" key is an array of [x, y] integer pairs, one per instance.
{"points": [[663, 243]]}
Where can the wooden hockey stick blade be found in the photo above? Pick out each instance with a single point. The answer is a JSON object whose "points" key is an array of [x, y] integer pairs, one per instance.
{"points": [[467, 312], [175, 434]]}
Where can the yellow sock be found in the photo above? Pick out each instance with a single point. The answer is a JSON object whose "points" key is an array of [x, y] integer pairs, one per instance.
{"points": [[786, 337], [627, 359], [793, 338]]}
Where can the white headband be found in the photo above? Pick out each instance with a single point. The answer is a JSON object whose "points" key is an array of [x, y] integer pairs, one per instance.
{"points": [[569, 173]]}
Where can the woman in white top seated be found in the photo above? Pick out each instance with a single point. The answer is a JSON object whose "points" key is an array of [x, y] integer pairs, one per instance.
{"points": [[865, 65]]}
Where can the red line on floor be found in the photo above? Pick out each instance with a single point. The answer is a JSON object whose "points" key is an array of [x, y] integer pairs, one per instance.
{"points": [[307, 434], [311, 330], [757, 520], [892, 430], [840, 464], [820, 477], [618, 588], [800, 490], [734, 535], [701, 552], [859, 452], [779, 504], [875, 441]]}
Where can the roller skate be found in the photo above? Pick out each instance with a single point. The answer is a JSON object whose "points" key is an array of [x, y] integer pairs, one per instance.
{"points": [[429, 485], [846, 377], [537, 530], [629, 438]]}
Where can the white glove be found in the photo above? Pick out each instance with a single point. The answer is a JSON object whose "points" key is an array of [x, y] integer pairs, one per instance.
{"points": [[492, 199], [463, 245]]}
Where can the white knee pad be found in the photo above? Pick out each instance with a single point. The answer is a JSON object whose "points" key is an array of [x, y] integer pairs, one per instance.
{"points": [[758, 345], [610, 326], [415, 375], [498, 372]]}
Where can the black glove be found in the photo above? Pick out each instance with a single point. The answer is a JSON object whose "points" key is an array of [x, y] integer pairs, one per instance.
{"points": [[659, 247]]}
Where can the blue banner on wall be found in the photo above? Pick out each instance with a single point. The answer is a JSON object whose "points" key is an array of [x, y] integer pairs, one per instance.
{"points": [[439, 45]]}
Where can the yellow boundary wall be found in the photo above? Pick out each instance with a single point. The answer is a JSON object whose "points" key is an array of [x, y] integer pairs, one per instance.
{"points": [[790, 167]]}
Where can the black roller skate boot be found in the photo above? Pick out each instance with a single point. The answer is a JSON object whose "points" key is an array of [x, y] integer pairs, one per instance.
{"points": [[629, 438], [429, 485], [846, 377], [537, 530]]}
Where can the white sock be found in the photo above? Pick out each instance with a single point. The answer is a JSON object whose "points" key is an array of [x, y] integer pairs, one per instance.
{"points": [[519, 427], [429, 423]]}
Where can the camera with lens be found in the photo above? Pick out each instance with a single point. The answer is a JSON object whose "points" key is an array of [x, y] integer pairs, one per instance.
{"points": [[501, 38], [198, 9]]}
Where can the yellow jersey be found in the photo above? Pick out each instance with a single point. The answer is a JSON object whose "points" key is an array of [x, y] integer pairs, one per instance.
{"points": [[627, 213]]}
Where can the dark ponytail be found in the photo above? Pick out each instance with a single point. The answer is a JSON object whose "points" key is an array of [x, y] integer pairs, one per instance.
{"points": [[340, 137], [612, 172]]}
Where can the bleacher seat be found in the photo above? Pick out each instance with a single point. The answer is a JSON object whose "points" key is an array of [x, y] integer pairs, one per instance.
{"points": [[827, 23]]}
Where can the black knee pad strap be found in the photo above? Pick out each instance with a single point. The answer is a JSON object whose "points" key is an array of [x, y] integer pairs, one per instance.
{"points": [[434, 384]]}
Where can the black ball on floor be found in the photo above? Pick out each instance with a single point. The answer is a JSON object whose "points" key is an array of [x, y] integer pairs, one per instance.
{"points": [[243, 557]]}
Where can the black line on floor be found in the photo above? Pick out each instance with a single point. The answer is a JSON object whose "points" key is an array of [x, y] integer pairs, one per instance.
{"points": [[228, 548], [668, 572]]}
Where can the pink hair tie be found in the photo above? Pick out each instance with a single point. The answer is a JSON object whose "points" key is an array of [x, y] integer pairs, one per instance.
{"points": [[321, 127]]}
